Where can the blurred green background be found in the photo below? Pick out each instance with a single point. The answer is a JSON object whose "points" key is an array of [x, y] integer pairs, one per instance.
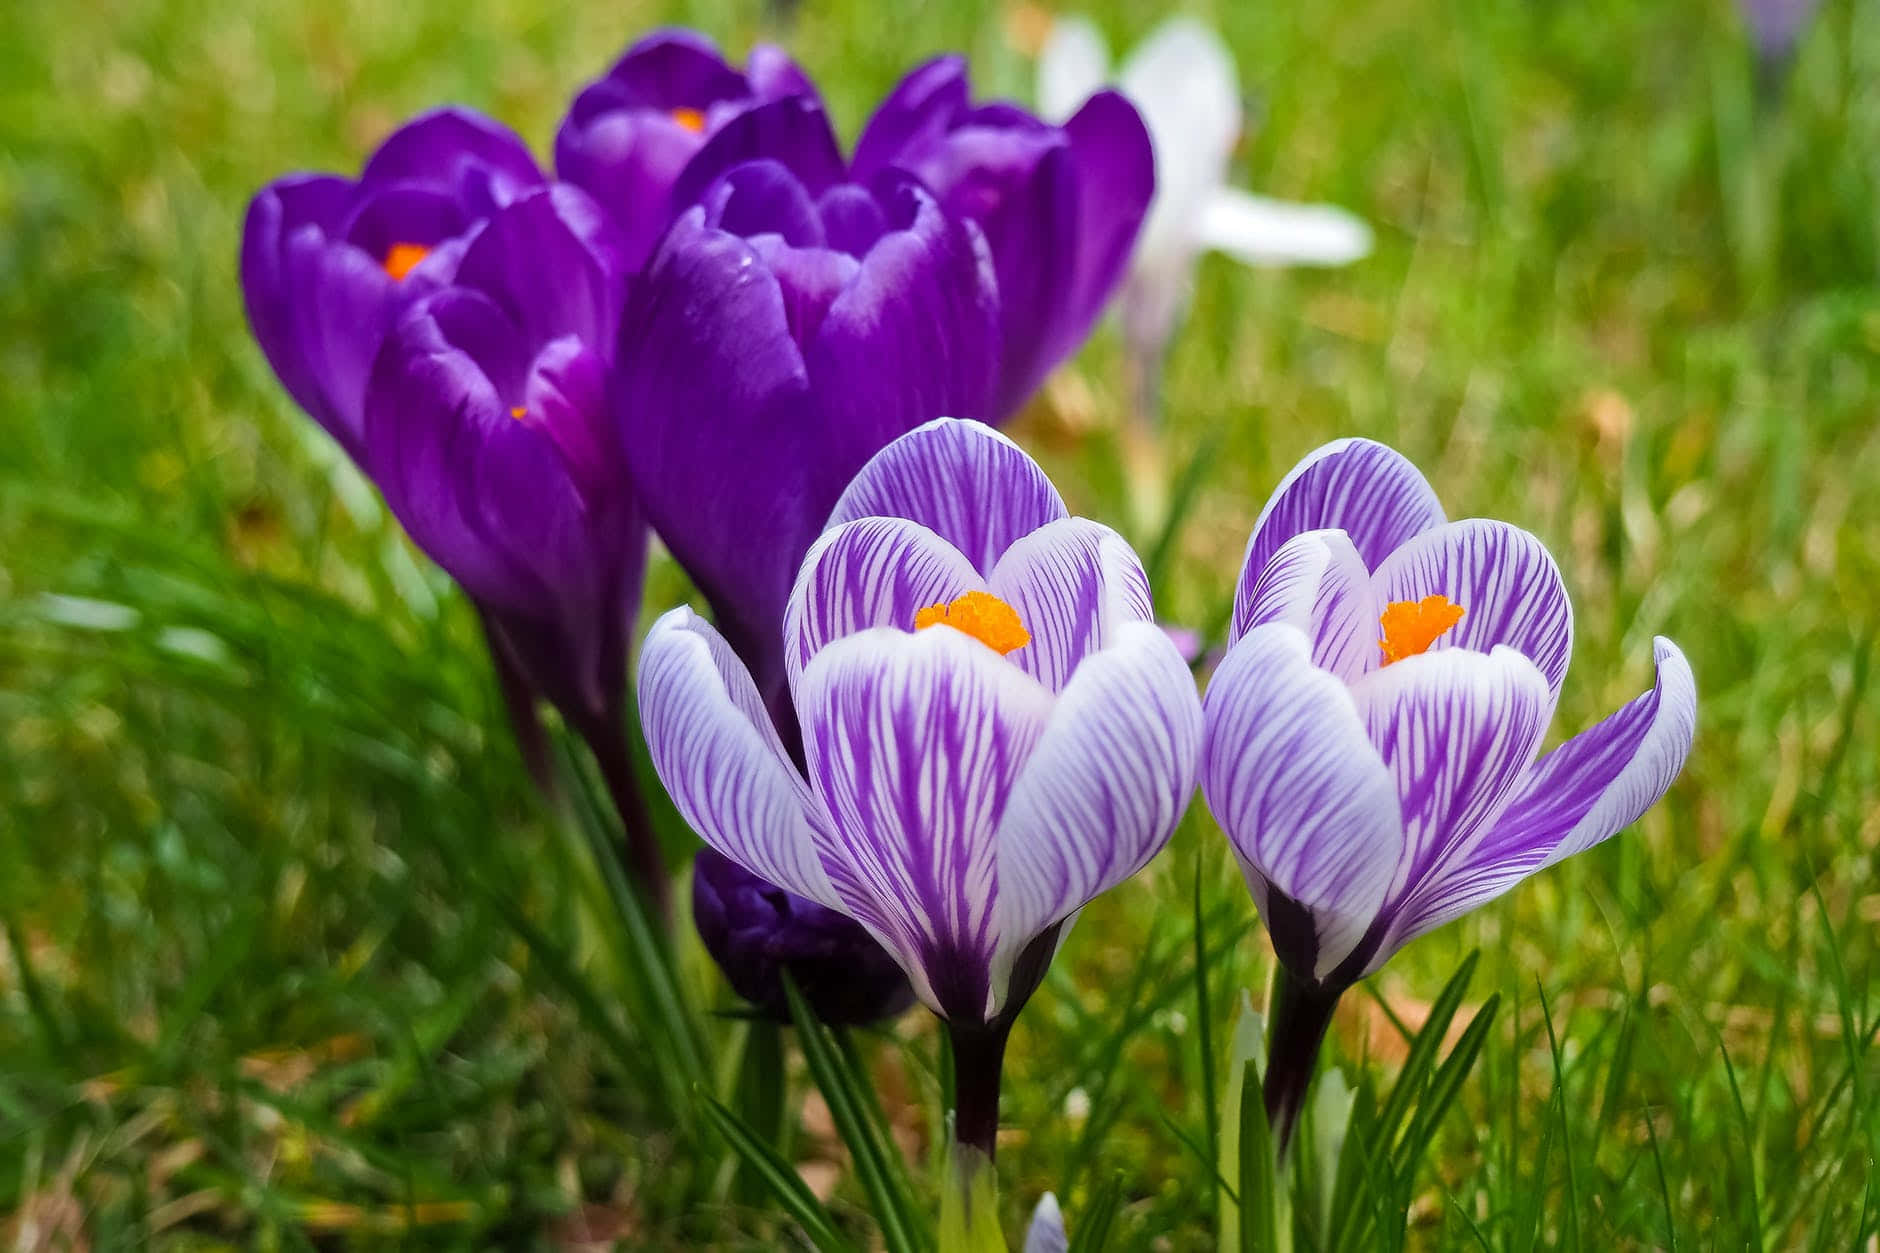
{"points": [[292, 959]]}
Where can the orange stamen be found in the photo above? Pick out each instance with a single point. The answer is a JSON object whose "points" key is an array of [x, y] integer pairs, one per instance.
{"points": [[402, 259], [692, 119], [981, 615], [1411, 626], [518, 412]]}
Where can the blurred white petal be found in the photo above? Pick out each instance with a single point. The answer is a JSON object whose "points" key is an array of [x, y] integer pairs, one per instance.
{"points": [[1260, 231], [1074, 64], [1182, 80]]}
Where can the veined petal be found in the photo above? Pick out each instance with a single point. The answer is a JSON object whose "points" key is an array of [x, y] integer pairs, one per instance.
{"points": [[716, 751], [872, 572], [1074, 63], [962, 480], [1458, 731], [1358, 486], [1074, 583], [1588, 789], [915, 742], [1294, 781], [1104, 788], [1505, 580], [1317, 583], [1262, 231]]}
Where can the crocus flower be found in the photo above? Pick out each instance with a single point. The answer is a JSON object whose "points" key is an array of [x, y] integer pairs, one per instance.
{"points": [[757, 931], [1372, 732], [1182, 79], [995, 731], [1775, 26], [1045, 1233], [1060, 206], [485, 427], [328, 264], [630, 132], [789, 326]]}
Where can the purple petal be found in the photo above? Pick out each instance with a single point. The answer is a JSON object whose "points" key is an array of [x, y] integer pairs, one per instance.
{"points": [[715, 750], [447, 146], [773, 74], [793, 131], [1458, 731], [551, 262], [764, 198], [1508, 586], [1115, 169], [628, 161], [1075, 583], [1358, 486], [872, 572], [913, 118], [708, 396], [1105, 787], [1317, 583], [667, 69], [1310, 808], [315, 202], [964, 481], [915, 743], [1587, 790], [1046, 1232]]}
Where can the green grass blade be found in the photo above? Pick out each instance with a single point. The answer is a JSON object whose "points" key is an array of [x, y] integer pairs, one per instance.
{"points": [[1091, 1234], [1259, 1200], [778, 1175]]}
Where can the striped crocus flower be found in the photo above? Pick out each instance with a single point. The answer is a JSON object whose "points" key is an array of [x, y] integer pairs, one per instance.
{"points": [[1372, 734], [994, 730]]}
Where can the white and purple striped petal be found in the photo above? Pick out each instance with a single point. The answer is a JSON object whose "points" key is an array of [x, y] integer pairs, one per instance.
{"points": [[1309, 806], [1358, 486], [872, 572], [1587, 790], [1104, 788], [721, 760], [1073, 583], [1506, 582], [1458, 731], [914, 742], [1319, 584], [962, 480]]}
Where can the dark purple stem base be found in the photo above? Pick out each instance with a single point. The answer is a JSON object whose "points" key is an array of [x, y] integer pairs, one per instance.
{"points": [[1300, 1014], [978, 1059]]}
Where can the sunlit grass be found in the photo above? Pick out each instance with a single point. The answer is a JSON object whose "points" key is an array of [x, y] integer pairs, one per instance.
{"points": [[295, 958]]}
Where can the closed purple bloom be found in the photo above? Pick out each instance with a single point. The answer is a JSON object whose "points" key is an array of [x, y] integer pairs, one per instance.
{"points": [[1776, 26], [631, 131], [1372, 734], [328, 264], [968, 786], [486, 429], [1060, 205], [790, 325], [756, 931]]}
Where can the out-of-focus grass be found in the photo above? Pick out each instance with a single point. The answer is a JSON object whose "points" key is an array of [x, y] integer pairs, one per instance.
{"points": [[293, 958]]}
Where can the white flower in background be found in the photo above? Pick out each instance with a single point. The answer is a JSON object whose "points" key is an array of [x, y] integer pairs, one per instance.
{"points": [[1181, 78]]}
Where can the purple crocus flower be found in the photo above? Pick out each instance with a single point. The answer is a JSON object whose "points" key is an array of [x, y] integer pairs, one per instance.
{"points": [[328, 264], [1776, 26], [995, 731], [631, 131], [756, 931], [1372, 732], [790, 325], [485, 427], [1060, 205]]}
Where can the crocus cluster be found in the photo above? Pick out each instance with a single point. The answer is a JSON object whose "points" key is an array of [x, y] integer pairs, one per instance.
{"points": [[707, 319]]}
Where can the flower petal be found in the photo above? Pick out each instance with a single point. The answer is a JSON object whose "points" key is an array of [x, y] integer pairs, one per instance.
{"points": [[1074, 583], [1105, 787], [1261, 231], [1046, 1232], [551, 261], [1182, 78], [454, 147], [1302, 794], [1458, 731], [872, 572], [1318, 583], [962, 480], [1588, 789], [1358, 486], [915, 742], [792, 130], [914, 116], [716, 751], [1505, 580], [1074, 63]]}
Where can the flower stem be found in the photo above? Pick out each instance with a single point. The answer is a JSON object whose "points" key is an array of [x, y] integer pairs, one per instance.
{"points": [[525, 721], [645, 864], [1300, 1013], [978, 1059]]}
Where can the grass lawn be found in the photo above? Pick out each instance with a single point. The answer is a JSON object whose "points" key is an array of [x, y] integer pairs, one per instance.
{"points": [[294, 959]]}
